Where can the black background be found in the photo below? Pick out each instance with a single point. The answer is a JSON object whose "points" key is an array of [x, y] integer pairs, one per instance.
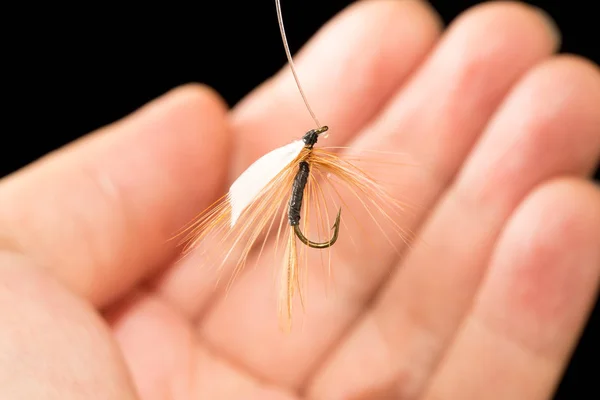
{"points": [[71, 69]]}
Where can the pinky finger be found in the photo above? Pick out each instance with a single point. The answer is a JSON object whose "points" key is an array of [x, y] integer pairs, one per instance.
{"points": [[533, 305]]}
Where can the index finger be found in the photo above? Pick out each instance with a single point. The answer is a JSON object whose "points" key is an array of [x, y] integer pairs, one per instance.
{"points": [[99, 213]]}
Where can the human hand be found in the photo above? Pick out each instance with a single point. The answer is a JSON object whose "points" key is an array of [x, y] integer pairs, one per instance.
{"points": [[488, 305]]}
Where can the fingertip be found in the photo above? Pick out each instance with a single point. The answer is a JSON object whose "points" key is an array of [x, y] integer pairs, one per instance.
{"points": [[581, 71], [568, 205], [560, 95], [500, 14], [550, 23], [418, 9], [191, 103], [199, 95]]}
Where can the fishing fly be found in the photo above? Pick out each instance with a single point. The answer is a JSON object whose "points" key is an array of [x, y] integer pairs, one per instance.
{"points": [[287, 186]]}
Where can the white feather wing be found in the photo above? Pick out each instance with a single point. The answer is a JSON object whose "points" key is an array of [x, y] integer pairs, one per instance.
{"points": [[252, 181]]}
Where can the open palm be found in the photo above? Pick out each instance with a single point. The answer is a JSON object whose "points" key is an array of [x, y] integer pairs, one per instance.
{"points": [[489, 304]]}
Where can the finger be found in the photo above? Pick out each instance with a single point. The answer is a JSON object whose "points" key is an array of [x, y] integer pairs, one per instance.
{"points": [[99, 213], [348, 70], [530, 139], [492, 32], [534, 301], [390, 38]]}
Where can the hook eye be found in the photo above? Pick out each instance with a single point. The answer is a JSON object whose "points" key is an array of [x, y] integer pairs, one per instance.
{"points": [[322, 129]]}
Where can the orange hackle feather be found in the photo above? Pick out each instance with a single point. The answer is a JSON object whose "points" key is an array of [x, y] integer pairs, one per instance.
{"points": [[333, 179]]}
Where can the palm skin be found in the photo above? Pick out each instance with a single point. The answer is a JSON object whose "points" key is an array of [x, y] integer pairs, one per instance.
{"points": [[95, 306]]}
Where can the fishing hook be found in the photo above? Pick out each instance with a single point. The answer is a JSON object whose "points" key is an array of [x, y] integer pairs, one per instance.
{"points": [[296, 204], [322, 245]]}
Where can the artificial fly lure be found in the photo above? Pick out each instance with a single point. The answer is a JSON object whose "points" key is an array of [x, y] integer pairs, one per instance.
{"points": [[287, 186]]}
